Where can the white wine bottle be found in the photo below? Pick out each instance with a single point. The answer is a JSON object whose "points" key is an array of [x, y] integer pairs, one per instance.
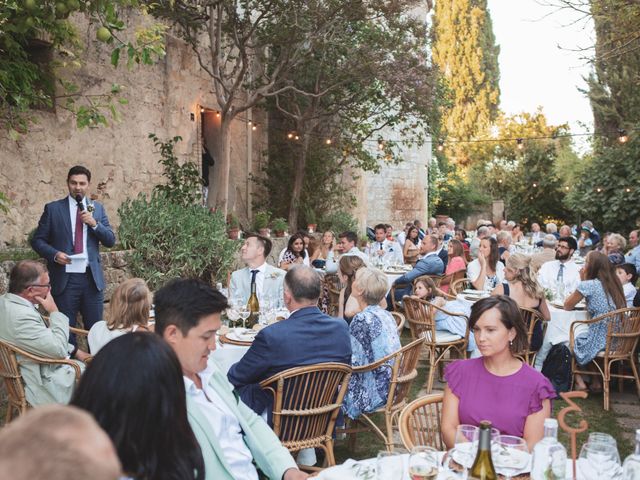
{"points": [[253, 305], [482, 468], [549, 456]]}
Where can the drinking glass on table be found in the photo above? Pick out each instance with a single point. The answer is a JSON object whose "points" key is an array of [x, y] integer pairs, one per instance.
{"points": [[512, 455], [233, 312], [466, 444], [423, 463], [606, 439], [389, 466], [601, 458], [244, 314]]}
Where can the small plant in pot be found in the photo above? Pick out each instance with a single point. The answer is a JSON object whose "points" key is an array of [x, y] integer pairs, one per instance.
{"points": [[261, 223], [280, 226], [233, 227], [310, 216]]}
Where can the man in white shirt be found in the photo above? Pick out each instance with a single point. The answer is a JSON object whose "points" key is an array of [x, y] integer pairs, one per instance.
{"points": [[536, 234], [562, 269], [268, 279], [383, 247], [346, 246], [231, 436]]}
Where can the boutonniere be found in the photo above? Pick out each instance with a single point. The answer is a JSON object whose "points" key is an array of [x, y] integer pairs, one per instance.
{"points": [[91, 207], [274, 275]]}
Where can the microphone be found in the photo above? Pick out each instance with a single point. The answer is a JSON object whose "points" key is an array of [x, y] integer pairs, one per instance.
{"points": [[79, 200]]}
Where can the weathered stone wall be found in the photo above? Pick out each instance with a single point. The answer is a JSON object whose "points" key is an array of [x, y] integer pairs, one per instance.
{"points": [[121, 157]]}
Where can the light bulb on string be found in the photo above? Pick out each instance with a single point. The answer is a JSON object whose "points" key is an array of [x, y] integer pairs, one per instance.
{"points": [[380, 145], [289, 135], [500, 180], [254, 127], [519, 143], [297, 137], [217, 114], [535, 184], [327, 141], [628, 190], [598, 189], [622, 135], [440, 146], [201, 109]]}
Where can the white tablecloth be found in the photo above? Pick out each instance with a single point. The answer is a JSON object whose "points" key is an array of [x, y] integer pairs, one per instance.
{"points": [[226, 355], [558, 330]]}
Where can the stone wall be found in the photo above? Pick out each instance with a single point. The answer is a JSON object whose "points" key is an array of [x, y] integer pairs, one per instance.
{"points": [[121, 157]]}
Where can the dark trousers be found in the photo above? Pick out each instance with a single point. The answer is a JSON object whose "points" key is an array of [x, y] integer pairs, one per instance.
{"points": [[81, 295]]}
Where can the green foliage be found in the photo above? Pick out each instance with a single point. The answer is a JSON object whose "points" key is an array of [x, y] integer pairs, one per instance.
{"points": [[279, 224], [601, 193], [173, 240], [465, 51], [338, 221], [184, 183], [4, 203], [261, 220], [456, 196]]}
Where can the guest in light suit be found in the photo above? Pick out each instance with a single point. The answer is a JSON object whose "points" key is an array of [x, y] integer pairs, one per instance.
{"points": [[69, 227], [383, 247], [23, 326], [429, 264], [268, 279], [231, 436], [307, 337]]}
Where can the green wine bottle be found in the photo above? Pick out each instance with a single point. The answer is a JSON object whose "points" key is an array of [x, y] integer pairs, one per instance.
{"points": [[482, 468], [253, 305]]}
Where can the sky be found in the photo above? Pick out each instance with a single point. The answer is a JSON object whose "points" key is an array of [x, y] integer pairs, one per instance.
{"points": [[537, 64]]}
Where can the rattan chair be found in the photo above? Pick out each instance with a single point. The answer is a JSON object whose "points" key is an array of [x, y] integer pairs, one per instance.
{"points": [[396, 305], [449, 278], [10, 359], [403, 364], [457, 286], [531, 318], [399, 318], [623, 334], [421, 317], [306, 403], [420, 423]]}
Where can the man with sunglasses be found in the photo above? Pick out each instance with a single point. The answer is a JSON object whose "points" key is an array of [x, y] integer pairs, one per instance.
{"points": [[563, 268], [22, 325]]}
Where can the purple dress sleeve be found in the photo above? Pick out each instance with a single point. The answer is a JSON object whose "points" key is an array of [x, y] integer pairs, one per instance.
{"points": [[453, 376]]}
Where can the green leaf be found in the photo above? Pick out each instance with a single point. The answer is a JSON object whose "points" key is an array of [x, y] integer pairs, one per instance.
{"points": [[115, 57]]}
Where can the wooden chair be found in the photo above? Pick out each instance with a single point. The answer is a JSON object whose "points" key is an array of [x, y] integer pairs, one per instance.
{"points": [[403, 364], [449, 278], [399, 318], [421, 317], [457, 286], [531, 318], [396, 305], [420, 423], [10, 372], [306, 403], [623, 334]]}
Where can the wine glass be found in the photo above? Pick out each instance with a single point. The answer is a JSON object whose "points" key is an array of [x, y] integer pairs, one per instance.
{"points": [[389, 466], [244, 312], [601, 458], [466, 444], [453, 469], [512, 455], [233, 314], [605, 438], [423, 463]]}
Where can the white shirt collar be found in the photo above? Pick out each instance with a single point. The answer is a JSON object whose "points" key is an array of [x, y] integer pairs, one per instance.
{"points": [[430, 253], [205, 375]]}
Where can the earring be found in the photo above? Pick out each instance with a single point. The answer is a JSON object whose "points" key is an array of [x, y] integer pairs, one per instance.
{"points": [[511, 343]]}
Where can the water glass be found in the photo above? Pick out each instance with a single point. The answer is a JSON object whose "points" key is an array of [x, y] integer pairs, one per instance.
{"points": [[244, 314], [466, 444], [389, 466], [601, 458], [512, 455], [606, 439], [423, 463]]}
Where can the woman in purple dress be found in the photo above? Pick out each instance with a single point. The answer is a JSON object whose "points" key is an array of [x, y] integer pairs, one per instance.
{"points": [[497, 386]]}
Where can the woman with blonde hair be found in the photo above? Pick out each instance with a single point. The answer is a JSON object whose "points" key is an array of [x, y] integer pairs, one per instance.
{"points": [[320, 252], [521, 285], [347, 268], [128, 311]]}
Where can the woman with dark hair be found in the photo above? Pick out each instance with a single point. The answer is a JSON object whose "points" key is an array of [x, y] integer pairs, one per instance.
{"points": [[497, 386], [603, 293], [295, 252], [461, 235], [456, 262], [347, 268], [486, 272], [135, 390], [411, 251]]}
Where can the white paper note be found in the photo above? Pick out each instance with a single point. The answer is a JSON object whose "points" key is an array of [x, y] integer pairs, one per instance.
{"points": [[78, 263]]}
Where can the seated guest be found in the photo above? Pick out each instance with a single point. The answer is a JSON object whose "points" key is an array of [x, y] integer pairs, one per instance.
{"points": [[563, 268], [633, 255], [432, 227], [456, 262], [429, 264], [56, 442], [496, 386], [474, 246], [373, 336], [486, 272], [294, 253], [603, 293], [443, 232], [143, 409], [615, 243], [565, 231], [128, 311], [383, 248], [547, 254], [552, 229], [411, 250], [595, 236], [504, 245], [521, 285], [307, 337], [268, 279], [536, 234], [349, 265], [516, 233], [322, 250], [402, 236], [442, 252], [234, 441], [585, 242], [628, 276], [461, 236], [23, 326], [345, 246]]}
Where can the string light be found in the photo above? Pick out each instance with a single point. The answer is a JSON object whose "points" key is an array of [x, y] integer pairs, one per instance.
{"points": [[289, 135], [327, 141], [567, 188], [622, 135], [217, 114], [380, 145], [440, 146], [627, 190], [535, 184], [297, 137], [598, 189], [499, 180], [254, 127], [201, 109], [520, 144]]}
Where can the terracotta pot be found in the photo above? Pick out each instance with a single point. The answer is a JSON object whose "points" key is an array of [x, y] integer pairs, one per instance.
{"points": [[311, 228], [234, 233], [280, 233], [265, 232]]}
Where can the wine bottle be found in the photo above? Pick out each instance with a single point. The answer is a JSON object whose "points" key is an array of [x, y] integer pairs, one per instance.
{"points": [[631, 465], [254, 307], [482, 468], [549, 456]]}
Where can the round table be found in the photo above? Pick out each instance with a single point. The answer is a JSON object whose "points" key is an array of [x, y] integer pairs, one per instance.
{"points": [[558, 330]]}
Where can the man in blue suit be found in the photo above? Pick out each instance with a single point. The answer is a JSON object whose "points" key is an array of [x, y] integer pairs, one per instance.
{"points": [[429, 264], [307, 337], [70, 226]]}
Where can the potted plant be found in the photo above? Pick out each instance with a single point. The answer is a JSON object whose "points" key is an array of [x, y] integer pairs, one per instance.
{"points": [[233, 226], [261, 223], [312, 224], [280, 226]]}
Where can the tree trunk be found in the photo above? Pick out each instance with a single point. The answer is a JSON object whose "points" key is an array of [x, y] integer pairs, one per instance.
{"points": [[298, 181], [221, 174]]}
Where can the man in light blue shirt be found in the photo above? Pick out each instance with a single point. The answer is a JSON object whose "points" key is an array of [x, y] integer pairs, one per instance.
{"points": [[346, 245], [633, 256]]}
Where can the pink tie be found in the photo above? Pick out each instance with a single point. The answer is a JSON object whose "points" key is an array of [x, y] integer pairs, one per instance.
{"points": [[78, 238]]}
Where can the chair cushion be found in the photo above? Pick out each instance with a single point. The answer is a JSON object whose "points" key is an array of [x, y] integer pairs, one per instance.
{"points": [[443, 336]]}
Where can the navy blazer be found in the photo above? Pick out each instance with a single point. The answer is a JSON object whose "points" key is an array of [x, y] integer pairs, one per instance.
{"points": [[53, 235], [429, 265], [307, 337]]}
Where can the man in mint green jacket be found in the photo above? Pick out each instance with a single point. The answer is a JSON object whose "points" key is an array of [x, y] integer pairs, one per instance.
{"points": [[235, 442]]}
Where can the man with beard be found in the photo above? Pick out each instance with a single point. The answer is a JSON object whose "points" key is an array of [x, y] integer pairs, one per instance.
{"points": [[563, 268]]}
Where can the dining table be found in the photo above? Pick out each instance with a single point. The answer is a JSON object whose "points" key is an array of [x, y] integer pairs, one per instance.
{"points": [[558, 329]]}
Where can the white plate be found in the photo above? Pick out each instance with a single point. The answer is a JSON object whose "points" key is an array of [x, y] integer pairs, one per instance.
{"points": [[518, 458], [242, 334]]}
